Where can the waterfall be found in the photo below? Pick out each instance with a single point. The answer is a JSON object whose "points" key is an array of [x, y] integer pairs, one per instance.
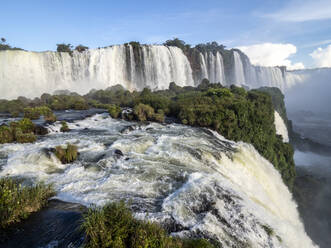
{"points": [[281, 128], [177, 175], [239, 76], [31, 74]]}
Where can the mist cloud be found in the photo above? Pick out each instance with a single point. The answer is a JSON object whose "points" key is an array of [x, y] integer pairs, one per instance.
{"points": [[272, 54], [322, 57]]}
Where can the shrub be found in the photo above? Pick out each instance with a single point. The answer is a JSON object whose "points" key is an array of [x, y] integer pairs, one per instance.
{"points": [[6, 135], [17, 201], [81, 48], [36, 112], [114, 226], [24, 137], [64, 127], [50, 118], [21, 132], [143, 112], [66, 155], [159, 116], [114, 110], [64, 48]]}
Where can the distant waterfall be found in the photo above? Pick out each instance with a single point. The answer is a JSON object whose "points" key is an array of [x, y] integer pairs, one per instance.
{"points": [[239, 76]]}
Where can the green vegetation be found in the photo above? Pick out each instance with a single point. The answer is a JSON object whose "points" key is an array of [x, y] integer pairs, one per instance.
{"points": [[17, 202], [64, 127], [113, 226], [178, 43], [36, 112], [114, 110], [277, 99], [81, 48], [64, 48], [21, 132], [68, 154], [6, 46]]}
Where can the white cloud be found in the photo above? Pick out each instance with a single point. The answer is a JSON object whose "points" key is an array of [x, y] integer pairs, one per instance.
{"points": [[271, 54], [303, 10], [322, 57]]}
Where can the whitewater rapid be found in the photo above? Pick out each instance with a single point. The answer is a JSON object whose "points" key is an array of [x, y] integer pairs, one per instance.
{"points": [[191, 180]]}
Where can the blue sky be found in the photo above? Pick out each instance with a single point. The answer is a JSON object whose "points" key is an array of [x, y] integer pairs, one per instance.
{"points": [[305, 24]]}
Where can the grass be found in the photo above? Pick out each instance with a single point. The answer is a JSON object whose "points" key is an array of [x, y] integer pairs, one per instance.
{"points": [[66, 155], [17, 202], [114, 226]]}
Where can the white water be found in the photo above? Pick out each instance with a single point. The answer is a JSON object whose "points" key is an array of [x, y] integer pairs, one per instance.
{"points": [[281, 128], [30, 73], [173, 174], [239, 76], [213, 67]]}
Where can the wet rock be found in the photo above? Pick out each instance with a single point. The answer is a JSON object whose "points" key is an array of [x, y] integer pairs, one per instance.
{"points": [[127, 129], [118, 153], [40, 130]]}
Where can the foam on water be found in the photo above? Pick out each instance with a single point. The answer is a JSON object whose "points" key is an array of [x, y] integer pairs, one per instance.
{"points": [[189, 178]]}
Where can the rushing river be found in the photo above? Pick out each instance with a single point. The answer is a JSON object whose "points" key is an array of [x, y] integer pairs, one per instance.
{"points": [[191, 180]]}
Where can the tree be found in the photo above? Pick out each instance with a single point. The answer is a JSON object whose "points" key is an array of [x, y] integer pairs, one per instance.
{"points": [[64, 48], [178, 43], [81, 48]]}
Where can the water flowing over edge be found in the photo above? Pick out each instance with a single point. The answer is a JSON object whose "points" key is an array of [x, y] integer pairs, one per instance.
{"points": [[31, 74], [189, 178]]}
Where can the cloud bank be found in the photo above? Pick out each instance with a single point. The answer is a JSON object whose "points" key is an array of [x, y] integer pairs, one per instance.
{"points": [[322, 57], [303, 10], [272, 54]]}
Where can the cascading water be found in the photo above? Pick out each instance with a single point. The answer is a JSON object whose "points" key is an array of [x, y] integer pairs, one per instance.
{"points": [[191, 180], [213, 67], [238, 70], [30, 73], [280, 126]]}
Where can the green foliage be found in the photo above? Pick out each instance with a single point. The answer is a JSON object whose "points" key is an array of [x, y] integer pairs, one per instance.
{"points": [[36, 112], [63, 102], [113, 95], [13, 106], [277, 99], [222, 92], [81, 48], [114, 226], [17, 201], [64, 48], [6, 46], [6, 135], [66, 155], [177, 43], [64, 127], [159, 116], [21, 132], [114, 110], [143, 112]]}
